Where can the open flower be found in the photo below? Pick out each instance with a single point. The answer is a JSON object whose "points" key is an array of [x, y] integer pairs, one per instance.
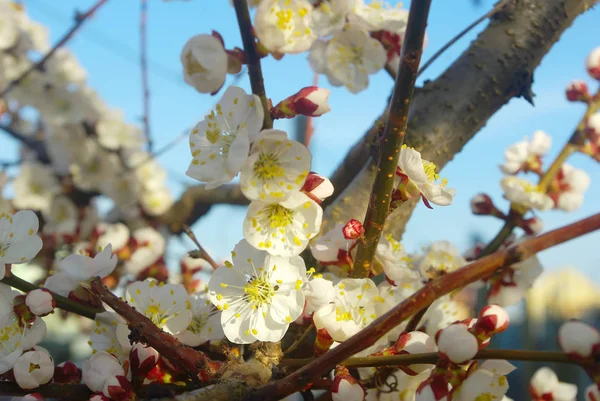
{"points": [[204, 62], [568, 188], [487, 381], [33, 369], [417, 178], [352, 55], [283, 228], [16, 338], [34, 187], [525, 193], [19, 242], [544, 385], [397, 264], [276, 167], [62, 217], [439, 258], [527, 155], [352, 309], [206, 322], [283, 26], [259, 294], [221, 142], [330, 16]]}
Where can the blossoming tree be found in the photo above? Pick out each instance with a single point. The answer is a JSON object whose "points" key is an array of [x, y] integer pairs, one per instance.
{"points": [[319, 295]]}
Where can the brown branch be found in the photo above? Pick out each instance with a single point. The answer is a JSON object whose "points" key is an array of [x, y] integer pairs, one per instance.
{"points": [[432, 290], [432, 357], [32, 143], [195, 363], [203, 254], [80, 18], [413, 323], [252, 57], [144, 72], [450, 110], [393, 137]]}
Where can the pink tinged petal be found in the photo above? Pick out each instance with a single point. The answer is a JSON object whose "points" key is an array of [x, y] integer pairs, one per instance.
{"points": [[543, 381]]}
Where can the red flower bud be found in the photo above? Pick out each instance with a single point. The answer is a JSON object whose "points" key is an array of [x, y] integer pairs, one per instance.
{"points": [[310, 101], [353, 229], [577, 91], [118, 388], [67, 373], [143, 360]]}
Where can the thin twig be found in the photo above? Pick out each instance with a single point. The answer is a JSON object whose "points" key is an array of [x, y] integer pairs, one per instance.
{"points": [[393, 137], [252, 57], [193, 362], [144, 68], [299, 340], [432, 357], [203, 254], [413, 323], [32, 143], [79, 20], [499, 6], [430, 292], [61, 302]]}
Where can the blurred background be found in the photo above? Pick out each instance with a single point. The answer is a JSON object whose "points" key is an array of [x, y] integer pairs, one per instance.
{"points": [[108, 47]]}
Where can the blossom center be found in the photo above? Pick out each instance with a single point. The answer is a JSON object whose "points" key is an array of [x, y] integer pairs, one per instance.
{"points": [[192, 66], [197, 323], [259, 291], [284, 19], [267, 167], [279, 216], [484, 397], [156, 315], [429, 168]]}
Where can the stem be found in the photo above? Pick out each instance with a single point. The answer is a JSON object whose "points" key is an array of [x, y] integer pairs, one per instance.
{"points": [[499, 6], [144, 72], [430, 292], [61, 302], [299, 340], [393, 137], [499, 239], [79, 20], [203, 254], [432, 357], [413, 323], [193, 362], [252, 58]]}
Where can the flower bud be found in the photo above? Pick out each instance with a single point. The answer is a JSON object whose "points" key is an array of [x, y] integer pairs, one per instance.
{"points": [[345, 387], [204, 63], [235, 60], [99, 368], [317, 187], [33, 369], [40, 302], [415, 342], [118, 388], [22, 310], [482, 205], [492, 319], [578, 339], [143, 359], [456, 343], [310, 101], [67, 373], [592, 128], [322, 343], [532, 226], [577, 91], [435, 388], [353, 229], [593, 63], [592, 393], [99, 397], [317, 293]]}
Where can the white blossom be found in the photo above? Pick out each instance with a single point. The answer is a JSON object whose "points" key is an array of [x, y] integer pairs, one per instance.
{"points": [[318, 292], [221, 142], [34, 187], [283, 228], [276, 168], [326, 248], [259, 294], [33, 369], [114, 133], [19, 242], [487, 381], [204, 63], [457, 343], [283, 26], [379, 16], [593, 63], [440, 257], [397, 264], [330, 17], [61, 217], [578, 338], [525, 193], [40, 302], [526, 155], [206, 322], [544, 384], [572, 184], [98, 369], [16, 338], [149, 248]]}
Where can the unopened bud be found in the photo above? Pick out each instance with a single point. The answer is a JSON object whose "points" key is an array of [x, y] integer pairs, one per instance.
{"points": [[345, 387], [322, 343], [143, 359], [532, 226], [353, 229], [235, 60], [310, 101], [40, 302], [22, 310], [578, 339], [317, 187], [482, 205], [415, 342], [67, 373], [118, 388], [593, 63], [99, 397], [492, 319], [434, 388], [577, 91], [456, 343]]}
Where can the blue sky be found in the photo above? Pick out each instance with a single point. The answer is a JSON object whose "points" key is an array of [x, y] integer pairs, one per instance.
{"points": [[107, 47]]}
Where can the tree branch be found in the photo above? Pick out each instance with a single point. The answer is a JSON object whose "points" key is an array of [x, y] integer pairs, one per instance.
{"points": [[252, 57], [193, 362], [451, 109], [79, 20], [144, 71], [393, 137], [429, 293], [32, 143]]}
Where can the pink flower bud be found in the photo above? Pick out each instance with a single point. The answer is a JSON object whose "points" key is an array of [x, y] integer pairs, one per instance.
{"points": [[578, 339], [592, 393], [345, 387], [415, 342], [577, 91], [492, 319], [67, 373], [310, 101], [456, 343], [482, 204], [317, 187], [118, 388], [593, 63], [532, 226], [99, 397], [99, 368], [143, 359], [353, 229], [40, 302]]}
